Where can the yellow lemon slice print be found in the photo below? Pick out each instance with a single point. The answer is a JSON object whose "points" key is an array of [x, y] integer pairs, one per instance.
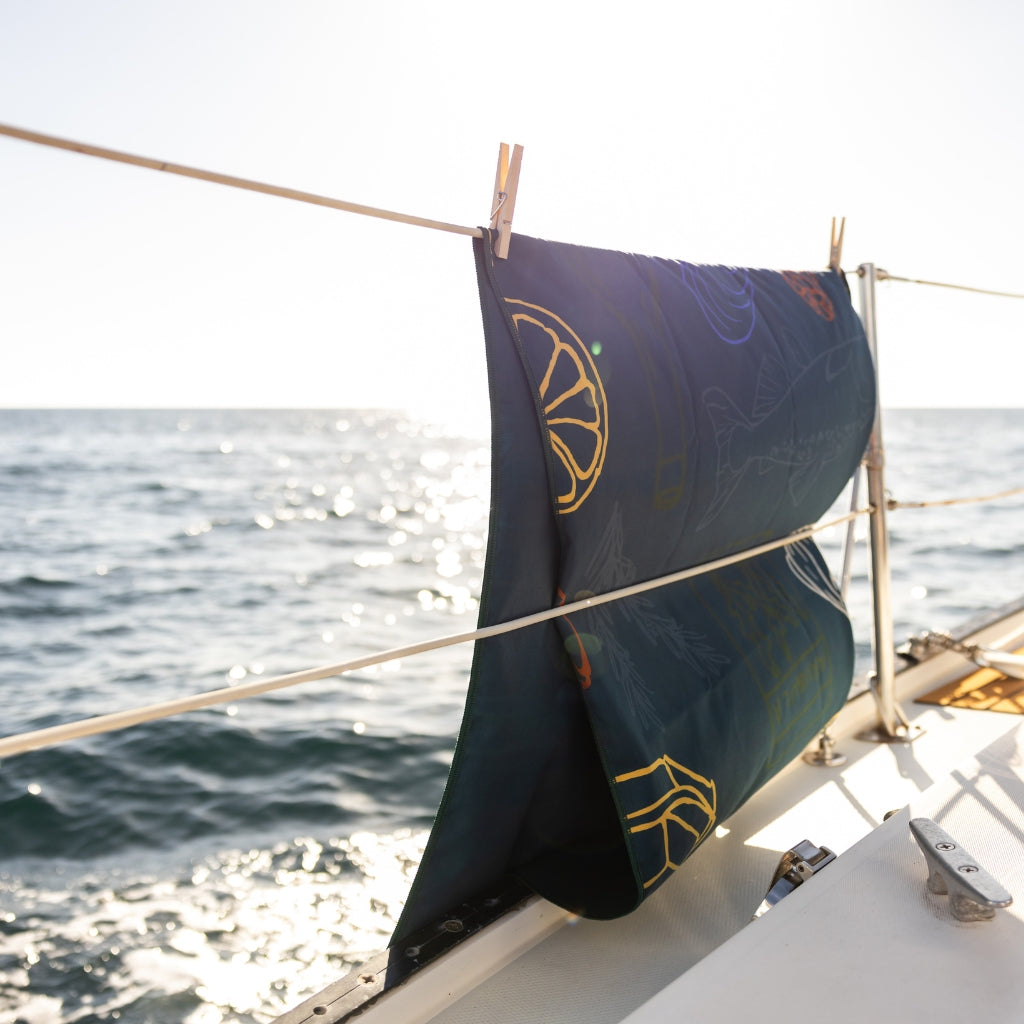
{"points": [[572, 398], [681, 817]]}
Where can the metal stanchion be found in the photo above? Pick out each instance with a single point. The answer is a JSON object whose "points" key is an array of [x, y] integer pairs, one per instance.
{"points": [[892, 726]]}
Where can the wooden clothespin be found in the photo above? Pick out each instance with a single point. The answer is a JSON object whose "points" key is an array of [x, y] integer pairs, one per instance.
{"points": [[506, 183], [835, 253]]}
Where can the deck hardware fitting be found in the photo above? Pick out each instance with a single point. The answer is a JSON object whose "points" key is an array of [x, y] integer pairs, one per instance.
{"points": [[1006, 662], [824, 754], [880, 735], [970, 899], [901, 732], [796, 867]]}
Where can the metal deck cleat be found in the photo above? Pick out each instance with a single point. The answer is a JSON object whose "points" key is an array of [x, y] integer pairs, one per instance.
{"points": [[974, 895]]}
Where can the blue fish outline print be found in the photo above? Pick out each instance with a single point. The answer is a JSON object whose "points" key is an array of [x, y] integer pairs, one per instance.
{"points": [[808, 567], [609, 569], [729, 311], [764, 438]]}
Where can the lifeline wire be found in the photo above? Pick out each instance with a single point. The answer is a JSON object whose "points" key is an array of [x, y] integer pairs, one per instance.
{"points": [[945, 503], [884, 275], [11, 745]]}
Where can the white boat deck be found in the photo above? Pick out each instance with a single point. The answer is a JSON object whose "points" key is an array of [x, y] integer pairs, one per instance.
{"points": [[863, 935], [869, 935], [835, 947]]}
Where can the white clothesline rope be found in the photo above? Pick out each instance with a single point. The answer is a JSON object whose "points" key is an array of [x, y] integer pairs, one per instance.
{"points": [[19, 744], [227, 179], [341, 204]]}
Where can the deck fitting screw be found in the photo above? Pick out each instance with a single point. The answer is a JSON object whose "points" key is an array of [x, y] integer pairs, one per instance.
{"points": [[367, 979], [967, 869], [320, 1009], [945, 847], [453, 925], [413, 951]]}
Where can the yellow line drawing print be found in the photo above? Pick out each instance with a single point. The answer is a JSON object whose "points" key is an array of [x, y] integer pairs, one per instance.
{"points": [[689, 803], [572, 397]]}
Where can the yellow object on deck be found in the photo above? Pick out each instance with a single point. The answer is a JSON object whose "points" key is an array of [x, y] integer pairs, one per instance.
{"points": [[985, 689]]}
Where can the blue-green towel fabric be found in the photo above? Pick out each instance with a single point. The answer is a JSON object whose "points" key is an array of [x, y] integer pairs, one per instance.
{"points": [[647, 415]]}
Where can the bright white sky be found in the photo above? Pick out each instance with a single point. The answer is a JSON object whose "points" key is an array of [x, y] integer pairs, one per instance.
{"points": [[718, 132]]}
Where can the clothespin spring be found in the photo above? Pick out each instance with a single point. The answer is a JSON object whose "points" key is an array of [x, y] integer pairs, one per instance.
{"points": [[501, 197]]}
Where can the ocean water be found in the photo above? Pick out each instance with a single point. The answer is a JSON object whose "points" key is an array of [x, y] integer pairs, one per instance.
{"points": [[225, 864]]}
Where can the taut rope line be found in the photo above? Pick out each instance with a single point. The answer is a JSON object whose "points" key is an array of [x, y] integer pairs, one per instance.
{"points": [[884, 275], [233, 182], [19, 744], [946, 502], [338, 204]]}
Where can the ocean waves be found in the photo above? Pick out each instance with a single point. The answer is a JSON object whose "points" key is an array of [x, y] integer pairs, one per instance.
{"points": [[224, 864], [187, 783], [240, 934]]}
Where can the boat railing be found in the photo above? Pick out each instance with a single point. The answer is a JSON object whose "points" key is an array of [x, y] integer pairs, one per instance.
{"points": [[23, 742], [881, 591], [892, 724], [882, 686]]}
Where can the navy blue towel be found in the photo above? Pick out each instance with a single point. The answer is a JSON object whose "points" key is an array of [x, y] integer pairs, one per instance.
{"points": [[647, 415]]}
